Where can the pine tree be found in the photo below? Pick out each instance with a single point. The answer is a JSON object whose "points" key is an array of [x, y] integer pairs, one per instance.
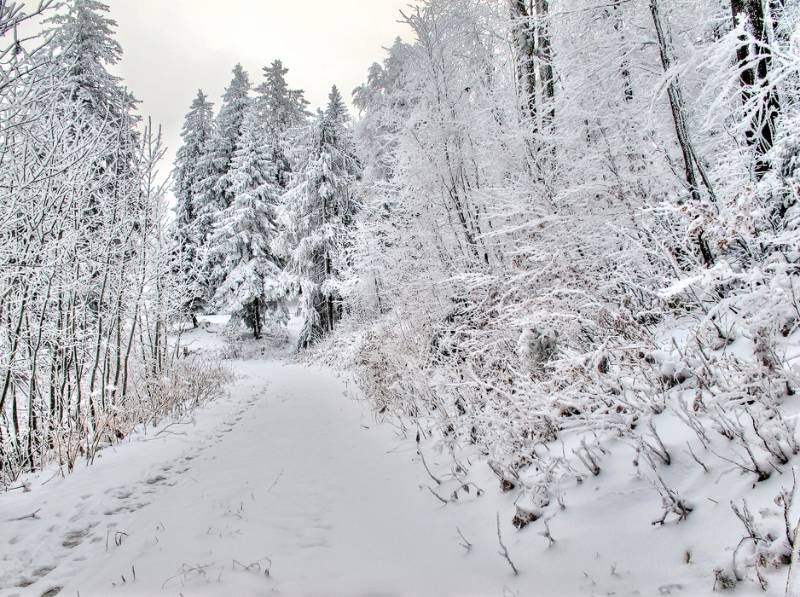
{"points": [[219, 149], [95, 104], [83, 42], [317, 215], [282, 110], [240, 244], [212, 193], [84, 48], [197, 130]]}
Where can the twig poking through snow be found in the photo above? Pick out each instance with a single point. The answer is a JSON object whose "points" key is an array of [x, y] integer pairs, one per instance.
{"points": [[26, 487], [440, 498], [425, 464], [546, 533], [503, 549], [464, 542], [33, 515], [255, 566], [696, 459], [275, 482]]}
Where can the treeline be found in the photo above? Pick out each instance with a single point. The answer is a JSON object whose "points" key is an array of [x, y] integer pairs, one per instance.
{"points": [[88, 281], [265, 203]]}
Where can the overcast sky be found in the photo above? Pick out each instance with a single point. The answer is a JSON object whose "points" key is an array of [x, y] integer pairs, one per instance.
{"points": [[173, 47]]}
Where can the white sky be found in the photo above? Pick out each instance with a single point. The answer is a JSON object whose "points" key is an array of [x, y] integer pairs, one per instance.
{"points": [[173, 47]]}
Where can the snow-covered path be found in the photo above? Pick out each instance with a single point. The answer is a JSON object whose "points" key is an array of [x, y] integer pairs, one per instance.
{"points": [[287, 474], [290, 474]]}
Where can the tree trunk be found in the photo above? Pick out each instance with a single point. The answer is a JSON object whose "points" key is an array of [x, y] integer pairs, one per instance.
{"points": [[525, 42], [754, 63], [257, 318], [544, 52], [690, 159]]}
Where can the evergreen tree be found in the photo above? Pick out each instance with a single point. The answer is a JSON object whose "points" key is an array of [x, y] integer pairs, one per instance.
{"points": [[83, 42], [282, 110], [83, 48], [317, 215], [94, 104], [240, 245], [197, 130], [212, 193], [218, 151]]}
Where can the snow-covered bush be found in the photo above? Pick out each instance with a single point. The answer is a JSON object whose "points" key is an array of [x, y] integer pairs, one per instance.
{"points": [[558, 265], [185, 385]]}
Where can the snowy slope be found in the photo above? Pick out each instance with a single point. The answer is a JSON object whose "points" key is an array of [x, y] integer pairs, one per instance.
{"points": [[288, 486]]}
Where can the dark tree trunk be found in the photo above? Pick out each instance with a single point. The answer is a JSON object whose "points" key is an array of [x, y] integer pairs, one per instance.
{"points": [[690, 160], [257, 318], [755, 63], [676, 104], [525, 42], [535, 77], [544, 52]]}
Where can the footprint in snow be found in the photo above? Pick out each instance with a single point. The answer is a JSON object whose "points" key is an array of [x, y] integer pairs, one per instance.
{"points": [[123, 494], [76, 537], [40, 572]]}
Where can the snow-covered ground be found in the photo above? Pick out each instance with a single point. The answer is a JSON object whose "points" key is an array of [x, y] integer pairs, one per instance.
{"points": [[288, 486]]}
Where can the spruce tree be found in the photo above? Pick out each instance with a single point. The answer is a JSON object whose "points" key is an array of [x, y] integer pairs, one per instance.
{"points": [[84, 49], [95, 105], [318, 214], [197, 130], [83, 43], [240, 245], [212, 193], [283, 110]]}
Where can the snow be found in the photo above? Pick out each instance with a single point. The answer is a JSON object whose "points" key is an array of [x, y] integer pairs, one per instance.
{"points": [[286, 470], [570, 309], [291, 474]]}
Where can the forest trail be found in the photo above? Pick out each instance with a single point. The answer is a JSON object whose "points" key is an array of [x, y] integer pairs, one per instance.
{"points": [[288, 485], [287, 475]]}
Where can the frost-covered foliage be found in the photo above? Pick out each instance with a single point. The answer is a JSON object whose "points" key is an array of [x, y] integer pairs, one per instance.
{"points": [[212, 189], [189, 237], [559, 230], [82, 40], [229, 185], [240, 244], [317, 217], [283, 113], [579, 219], [86, 274]]}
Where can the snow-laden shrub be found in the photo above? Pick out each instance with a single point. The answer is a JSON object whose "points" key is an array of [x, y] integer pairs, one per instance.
{"points": [[185, 385], [536, 347]]}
